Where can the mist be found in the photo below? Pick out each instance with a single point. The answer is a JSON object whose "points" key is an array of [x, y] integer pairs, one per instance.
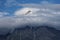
{"points": [[45, 16]]}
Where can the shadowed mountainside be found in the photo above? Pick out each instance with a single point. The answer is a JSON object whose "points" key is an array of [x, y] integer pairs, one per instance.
{"points": [[33, 33]]}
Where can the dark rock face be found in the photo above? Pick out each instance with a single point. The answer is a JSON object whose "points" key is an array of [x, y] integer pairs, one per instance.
{"points": [[33, 33]]}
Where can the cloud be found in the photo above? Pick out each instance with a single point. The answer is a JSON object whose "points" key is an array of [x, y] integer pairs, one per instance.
{"points": [[41, 14], [44, 5], [3, 14], [44, 2], [10, 3], [47, 14], [26, 12]]}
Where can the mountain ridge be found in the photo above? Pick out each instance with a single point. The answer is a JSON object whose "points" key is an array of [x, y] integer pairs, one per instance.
{"points": [[34, 33]]}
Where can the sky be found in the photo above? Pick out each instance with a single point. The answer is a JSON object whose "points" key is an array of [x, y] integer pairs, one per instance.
{"points": [[43, 12], [11, 5]]}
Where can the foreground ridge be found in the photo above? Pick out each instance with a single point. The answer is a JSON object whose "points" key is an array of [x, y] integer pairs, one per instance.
{"points": [[33, 33]]}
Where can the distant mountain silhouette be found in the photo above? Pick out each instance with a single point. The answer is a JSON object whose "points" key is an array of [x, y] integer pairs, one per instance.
{"points": [[33, 33]]}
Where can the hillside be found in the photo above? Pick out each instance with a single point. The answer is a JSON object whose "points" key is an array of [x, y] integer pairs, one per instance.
{"points": [[33, 33]]}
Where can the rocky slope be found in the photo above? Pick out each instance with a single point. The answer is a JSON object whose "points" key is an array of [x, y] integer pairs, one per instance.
{"points": [[33, 33]]}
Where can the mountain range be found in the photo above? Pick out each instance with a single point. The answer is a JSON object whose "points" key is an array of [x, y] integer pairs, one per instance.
{"points": [[33, 33]]}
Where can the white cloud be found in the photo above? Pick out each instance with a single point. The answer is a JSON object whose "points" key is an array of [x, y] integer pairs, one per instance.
{"points": [[27, 12], [50, 6], [45, 2], [40, 15], [46, 14], [3, 14], [10, 3]]}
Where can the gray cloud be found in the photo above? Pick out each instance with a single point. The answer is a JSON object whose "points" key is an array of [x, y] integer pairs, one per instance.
{"points": [[46, 15]]}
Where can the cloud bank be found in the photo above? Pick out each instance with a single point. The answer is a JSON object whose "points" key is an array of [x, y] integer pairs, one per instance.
{"points": [[40, 14], [37, 16], [45, 16]]}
